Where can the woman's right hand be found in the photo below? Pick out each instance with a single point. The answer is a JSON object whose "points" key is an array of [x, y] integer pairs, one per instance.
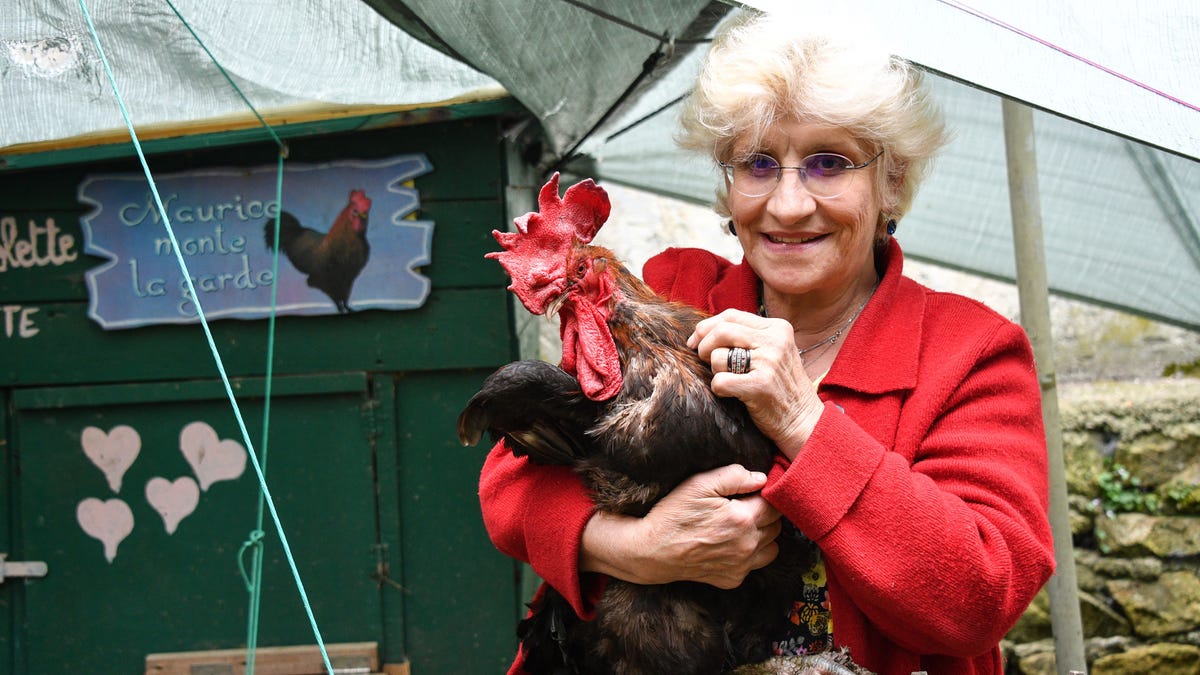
{"points": [[713, 528]]}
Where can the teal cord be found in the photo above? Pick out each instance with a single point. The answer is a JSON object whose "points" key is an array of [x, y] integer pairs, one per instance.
{"points": [[281, 144], [255, 585], [255, 540], [265, 491]]}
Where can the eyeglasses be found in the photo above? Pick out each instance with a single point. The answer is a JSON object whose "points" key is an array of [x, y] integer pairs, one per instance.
{"points": [[824, 174]]}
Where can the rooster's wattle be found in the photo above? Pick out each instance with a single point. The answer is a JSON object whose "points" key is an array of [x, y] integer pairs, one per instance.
{"points": [[632, 411]]}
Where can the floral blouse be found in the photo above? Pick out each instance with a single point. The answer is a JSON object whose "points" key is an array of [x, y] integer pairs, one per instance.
{"points": [[810, 625]]}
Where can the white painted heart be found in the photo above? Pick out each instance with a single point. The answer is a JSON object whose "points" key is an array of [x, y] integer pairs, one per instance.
{"points": [[109, 521], [113, 452], [173, 501], [212, 459]]}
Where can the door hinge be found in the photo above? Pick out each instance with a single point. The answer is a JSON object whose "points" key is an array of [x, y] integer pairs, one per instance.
{"points": [[32, 568]]}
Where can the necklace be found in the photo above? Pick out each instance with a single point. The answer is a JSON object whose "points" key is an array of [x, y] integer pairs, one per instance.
{"points": [[832, 338], [829, 341]]}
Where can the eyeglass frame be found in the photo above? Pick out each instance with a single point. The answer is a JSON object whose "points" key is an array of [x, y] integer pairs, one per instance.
{"points": [[728, 168]]}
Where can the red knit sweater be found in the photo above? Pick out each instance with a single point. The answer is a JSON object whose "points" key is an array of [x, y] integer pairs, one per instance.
{"points": [[924, 482]]}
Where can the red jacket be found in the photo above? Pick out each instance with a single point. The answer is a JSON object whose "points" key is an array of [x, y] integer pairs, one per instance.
{"points": [[924, 482]]}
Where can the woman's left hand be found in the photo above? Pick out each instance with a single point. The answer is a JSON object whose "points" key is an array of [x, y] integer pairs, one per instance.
{"points": [[779, 395]]}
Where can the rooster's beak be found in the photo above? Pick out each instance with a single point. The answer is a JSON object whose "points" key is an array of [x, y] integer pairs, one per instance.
{"points": [[557, 303]]}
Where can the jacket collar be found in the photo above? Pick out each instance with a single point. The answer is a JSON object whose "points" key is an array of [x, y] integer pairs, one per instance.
{"points": [[880, 351]]}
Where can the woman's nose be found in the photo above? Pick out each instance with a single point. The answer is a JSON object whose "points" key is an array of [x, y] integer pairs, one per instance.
{"points": [[791, 199]]}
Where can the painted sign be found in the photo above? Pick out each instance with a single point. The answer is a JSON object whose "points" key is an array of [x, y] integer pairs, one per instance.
{"points": [[345, 242]]}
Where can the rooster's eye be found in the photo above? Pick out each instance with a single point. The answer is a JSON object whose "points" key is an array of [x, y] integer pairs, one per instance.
{"points": [[581, 269]]}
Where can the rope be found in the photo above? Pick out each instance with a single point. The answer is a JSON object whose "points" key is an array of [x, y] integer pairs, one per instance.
{"points": [[648, 67], [265, 493], [627, 24], [1046, 43], [647, 117], [950, 3], [255, 582], [254, 542], [282, 146], [652, 61]]}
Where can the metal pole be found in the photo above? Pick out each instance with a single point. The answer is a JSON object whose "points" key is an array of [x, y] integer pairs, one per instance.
{"points": [[1035, 317]]}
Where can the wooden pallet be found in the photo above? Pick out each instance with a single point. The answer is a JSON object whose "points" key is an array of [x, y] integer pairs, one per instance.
{"points": [[349, 658]]}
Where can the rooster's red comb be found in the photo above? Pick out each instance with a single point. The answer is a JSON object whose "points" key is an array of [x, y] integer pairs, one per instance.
{"points": [[360, 200], [535, 254], [579, 214]]}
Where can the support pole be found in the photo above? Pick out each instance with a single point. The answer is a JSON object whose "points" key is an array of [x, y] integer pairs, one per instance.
{"points": [[1035, 317]]}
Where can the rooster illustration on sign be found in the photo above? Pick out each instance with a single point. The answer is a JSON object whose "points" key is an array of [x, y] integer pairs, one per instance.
{"points": [[331, 260]]}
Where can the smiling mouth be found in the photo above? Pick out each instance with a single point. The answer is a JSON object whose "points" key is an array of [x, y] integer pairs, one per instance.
{"points": [[792, 240]]}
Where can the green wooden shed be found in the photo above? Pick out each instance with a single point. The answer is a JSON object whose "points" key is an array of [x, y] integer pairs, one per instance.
{"points": [[124, 510]]}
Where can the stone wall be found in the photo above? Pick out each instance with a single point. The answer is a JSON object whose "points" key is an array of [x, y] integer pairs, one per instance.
{"points": [[1133, 472]]}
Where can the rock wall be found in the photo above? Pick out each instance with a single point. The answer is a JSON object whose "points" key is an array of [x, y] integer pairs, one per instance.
{"points": [[1133, 473]]}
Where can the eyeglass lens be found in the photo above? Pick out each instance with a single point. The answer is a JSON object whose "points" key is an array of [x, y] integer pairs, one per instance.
{"points": [[824, 174]]}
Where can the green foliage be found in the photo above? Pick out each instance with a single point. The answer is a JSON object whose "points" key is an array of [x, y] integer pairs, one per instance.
{"points": [[1122, 492], [1184, 498], [1182, 369]]}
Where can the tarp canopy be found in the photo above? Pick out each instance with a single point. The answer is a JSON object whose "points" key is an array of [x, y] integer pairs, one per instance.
{"points": [[1114, 83]]}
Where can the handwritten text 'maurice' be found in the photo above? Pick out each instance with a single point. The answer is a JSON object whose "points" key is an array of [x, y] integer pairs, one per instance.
{"points": [[215, 243], [133, 214]]}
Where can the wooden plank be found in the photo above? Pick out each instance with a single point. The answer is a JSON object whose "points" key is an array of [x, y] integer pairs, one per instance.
{"points": [[190, 390], [463, 153], [278, 117], [462, 234], [455, 329], [358, 657], [224, 132]]}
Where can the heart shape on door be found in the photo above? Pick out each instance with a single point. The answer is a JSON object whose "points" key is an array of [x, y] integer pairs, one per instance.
{"points": [[109, 521], [173, 501], [113, 453], [212, 459]]}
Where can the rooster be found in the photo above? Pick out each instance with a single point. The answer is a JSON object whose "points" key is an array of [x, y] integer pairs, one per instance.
{"points": [[332, 260], [631, 410]]}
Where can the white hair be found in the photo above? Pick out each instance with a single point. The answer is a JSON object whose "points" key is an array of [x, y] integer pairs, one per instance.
{"points": [[767, 68]]}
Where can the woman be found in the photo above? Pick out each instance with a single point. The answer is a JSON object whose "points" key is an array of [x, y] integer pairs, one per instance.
{"points": [[911, 447]]}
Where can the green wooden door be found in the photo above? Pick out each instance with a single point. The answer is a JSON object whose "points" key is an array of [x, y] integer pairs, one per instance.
{"points": [[460, 597], [135, 498], [377, 497]]}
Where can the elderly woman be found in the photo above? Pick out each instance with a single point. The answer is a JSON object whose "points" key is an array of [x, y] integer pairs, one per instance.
{"points": [[911, 447]]}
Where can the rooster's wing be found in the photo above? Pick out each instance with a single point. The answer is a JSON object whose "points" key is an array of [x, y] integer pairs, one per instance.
{"points": [[537, 408]]}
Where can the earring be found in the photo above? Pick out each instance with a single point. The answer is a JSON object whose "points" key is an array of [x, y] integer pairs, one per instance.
{"points": [[891, 226], [729, 226]]}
